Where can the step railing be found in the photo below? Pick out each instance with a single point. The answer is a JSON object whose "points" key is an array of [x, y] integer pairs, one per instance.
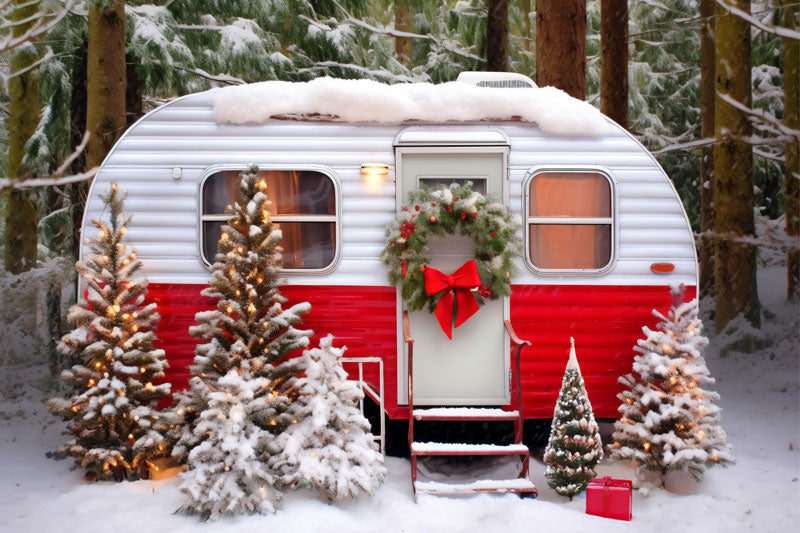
{"points": [[409, 341], [517, 380], [367, 388]]}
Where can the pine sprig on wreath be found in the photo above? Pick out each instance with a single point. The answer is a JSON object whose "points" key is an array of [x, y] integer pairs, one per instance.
{"points": [[437, 213]]}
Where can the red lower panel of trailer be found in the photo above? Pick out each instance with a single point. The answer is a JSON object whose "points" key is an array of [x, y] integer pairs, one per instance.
{"points": [[605, 320]]}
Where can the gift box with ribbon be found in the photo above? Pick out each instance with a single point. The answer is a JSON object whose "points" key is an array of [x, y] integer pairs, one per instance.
{"points": [[609, 497]]}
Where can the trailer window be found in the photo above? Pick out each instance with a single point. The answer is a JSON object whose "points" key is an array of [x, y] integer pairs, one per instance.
{"points": [[569, 221], [303, 207]]}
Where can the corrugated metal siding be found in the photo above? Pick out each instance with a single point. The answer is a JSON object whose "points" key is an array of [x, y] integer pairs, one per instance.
{"points": [[605, 322], [651, 223]]}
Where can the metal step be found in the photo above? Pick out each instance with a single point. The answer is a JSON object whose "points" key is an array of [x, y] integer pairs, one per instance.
{"points": [[520, 486], [446, 448], [465, 414]]}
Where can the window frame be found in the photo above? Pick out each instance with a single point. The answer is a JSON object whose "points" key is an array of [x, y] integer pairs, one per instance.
{"points": [[335, 218], [613, 220]]}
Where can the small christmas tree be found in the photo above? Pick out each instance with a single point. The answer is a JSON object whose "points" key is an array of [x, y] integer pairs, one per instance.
{"points": [[668, 421], [111, 413], [574, 448], [249, 334], [332, 449], [227, 476]]}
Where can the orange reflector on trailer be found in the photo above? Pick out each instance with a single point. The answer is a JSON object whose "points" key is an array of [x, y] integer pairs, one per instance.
{"points": [[662, 268]]}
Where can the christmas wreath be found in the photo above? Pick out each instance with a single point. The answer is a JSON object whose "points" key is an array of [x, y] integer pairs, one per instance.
{"points": [[437, 213]]}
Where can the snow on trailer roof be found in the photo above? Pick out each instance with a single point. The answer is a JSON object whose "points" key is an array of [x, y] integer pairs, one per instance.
{"points": [[367, 101]]}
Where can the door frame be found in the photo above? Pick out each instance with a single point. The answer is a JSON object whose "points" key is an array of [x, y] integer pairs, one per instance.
{"points": [[402, 352]]}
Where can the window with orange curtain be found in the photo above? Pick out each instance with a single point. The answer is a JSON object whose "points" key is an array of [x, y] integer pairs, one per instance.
{"points": [[570, 221], [303, 207]]}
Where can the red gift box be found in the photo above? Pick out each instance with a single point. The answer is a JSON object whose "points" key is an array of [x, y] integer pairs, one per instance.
{"points": [[608, 497]]}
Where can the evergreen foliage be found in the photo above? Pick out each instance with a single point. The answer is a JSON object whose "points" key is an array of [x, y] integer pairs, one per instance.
{"points": [[332, 449], [574, 448], [111, 413], [245, 343], [668, 420]]}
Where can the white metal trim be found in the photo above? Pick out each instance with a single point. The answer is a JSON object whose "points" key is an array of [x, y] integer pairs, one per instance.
{"points": [[613, 220], [337, 218], [449, 136]]}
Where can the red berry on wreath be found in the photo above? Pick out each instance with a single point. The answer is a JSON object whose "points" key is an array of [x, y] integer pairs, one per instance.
{"points": [[433, 204], [448, 208], [407, 229], [494, 234], [404, 208], [457, 198], [433, 219], [484, 292], [463, 216], [473, 215], [416, 207]]}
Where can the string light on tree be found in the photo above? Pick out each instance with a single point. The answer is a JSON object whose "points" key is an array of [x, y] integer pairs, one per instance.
{"points": [[102, 406], [662, 427]]}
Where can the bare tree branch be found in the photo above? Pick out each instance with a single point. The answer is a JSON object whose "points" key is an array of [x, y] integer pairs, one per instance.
{"points": [[744, 15], [763, 116], [40, 27]]}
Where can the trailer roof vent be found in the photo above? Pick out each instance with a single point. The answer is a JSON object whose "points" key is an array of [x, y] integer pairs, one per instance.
{"points": [[506, 80]]}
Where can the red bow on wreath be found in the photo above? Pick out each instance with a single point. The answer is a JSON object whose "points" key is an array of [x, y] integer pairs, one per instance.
{"points": [[459, 282]]}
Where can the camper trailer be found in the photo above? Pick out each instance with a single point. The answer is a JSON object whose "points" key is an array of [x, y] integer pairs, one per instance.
{"points": [[605, 234]]}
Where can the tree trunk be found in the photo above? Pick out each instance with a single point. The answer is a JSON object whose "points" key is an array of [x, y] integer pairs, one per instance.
{"points": [[80, 190], [614, 60], [402, 22], [23, 117], [526, 23], [706, 244], [497, 36], [734, 261], [561, 45], [791, 117], [105, 83]]}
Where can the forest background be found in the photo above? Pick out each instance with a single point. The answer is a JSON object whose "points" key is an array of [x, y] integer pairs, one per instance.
{"points": [[709, 86]]}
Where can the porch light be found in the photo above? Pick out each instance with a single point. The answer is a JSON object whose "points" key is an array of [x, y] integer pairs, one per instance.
{"points": [[374, 174]]}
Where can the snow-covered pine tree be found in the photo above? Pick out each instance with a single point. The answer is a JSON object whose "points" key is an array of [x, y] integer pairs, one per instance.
{"points": [[249, 334], [112, 414], [331, 449], [574, 448], [227, 475], [668, 421]]}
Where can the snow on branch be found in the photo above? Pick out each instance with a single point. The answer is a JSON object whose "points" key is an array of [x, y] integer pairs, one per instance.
{"points": [[763, 116], [382, 73], [47, 55], [686, 146], [780, 31], [42, 23], [227, 79], [57, 177]]}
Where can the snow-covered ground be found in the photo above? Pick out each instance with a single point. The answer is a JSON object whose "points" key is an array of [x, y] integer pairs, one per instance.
{"points": [[761, 492]]}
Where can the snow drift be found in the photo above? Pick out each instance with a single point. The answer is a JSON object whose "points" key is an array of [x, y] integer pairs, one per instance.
{"points": [[553, 110]]}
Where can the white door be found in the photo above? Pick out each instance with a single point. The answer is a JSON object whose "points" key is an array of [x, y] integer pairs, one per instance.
{"points": [[472, 368]]}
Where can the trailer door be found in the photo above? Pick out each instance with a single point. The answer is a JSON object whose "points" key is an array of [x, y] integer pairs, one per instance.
{"points": [[472, 368]]}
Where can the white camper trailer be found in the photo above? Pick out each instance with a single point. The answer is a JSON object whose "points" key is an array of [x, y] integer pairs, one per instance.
{"points": [[605, 232]]}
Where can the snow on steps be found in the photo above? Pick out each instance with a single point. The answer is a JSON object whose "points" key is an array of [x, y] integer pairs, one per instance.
{"points": [[464, 413], [447, 448], [519, 485]]}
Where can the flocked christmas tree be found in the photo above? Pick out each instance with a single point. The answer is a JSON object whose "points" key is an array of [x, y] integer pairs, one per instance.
{"points": [[574, 448], [112, 414], [668, 420], [248, 335], [332, 449]]}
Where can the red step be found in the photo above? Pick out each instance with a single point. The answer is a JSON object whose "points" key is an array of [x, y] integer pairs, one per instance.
{"points": [[502, 486], [446, 448], [465, 414]]}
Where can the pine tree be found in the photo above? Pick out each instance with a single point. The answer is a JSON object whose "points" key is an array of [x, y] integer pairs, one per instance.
{"points": [[668, 419], [574, 448], [250, 335], [332, 449], [227, 475], [111, 413]]}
